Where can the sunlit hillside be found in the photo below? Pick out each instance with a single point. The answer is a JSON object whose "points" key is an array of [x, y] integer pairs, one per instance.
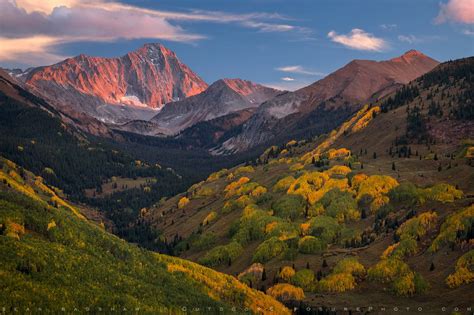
{"points": [[386, 219], [55, 259]]}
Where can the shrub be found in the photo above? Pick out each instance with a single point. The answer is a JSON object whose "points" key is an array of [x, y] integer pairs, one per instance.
{"points": [[283, 184], [308, 186], [13, 229], [281, 229], [311, 245], [244, 169], [203, 192], [324, 227], [388, 270], [258, 191], [409, 284], [350, 237], [289, 207], [464, 271], [221, 254], [366, 119], [421, 286], [401, 249], [376, 187], [340, 205], [338, 171], [337, 282], [246, 189], [291, 143], [405, 284], [252, 224], [230, 189], [406, 194], [351, 266], [357, 179], [442, 192], [269, 249], [315, 210], [183, 202], [205, 241], [284, 292], [239, 203], [209, 218], [337, 154], [418, 226], [216, 175], [456, 226], [254, 273], [304, 278], [296, 167], [286, 273]]}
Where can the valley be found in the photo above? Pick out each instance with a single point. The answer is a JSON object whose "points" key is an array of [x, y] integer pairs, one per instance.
{"points": [[129, 184], [301, 209]]}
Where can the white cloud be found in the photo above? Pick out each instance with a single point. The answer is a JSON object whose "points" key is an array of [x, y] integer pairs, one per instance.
{"points": [[298, 70], [359, 39], [460, 11], [468, 32], [288, 79], [411, 39]]}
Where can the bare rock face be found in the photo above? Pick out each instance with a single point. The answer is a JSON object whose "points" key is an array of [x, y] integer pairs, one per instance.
{"points": [[221, 98], [120, 89], [349, 87]]}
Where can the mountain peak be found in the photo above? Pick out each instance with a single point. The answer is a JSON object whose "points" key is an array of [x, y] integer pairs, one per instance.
{"points": [[154, 50], [242, 87], [410, 56], [413, 53], [144, 79]]}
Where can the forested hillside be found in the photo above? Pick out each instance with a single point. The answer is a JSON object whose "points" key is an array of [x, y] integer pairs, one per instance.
{"points": [[54, 259]]}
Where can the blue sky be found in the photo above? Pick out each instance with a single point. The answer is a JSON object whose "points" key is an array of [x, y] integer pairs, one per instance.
{"points": [[282, 43]]}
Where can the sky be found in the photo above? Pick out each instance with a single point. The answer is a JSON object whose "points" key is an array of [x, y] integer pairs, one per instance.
{"points": [[286, 44]]}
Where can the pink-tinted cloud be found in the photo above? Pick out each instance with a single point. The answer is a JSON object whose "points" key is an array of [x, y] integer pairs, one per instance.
{"points": [[359, 39], [460, 11], [298, 70], [62, 21], [38, 50], [94, 23]]}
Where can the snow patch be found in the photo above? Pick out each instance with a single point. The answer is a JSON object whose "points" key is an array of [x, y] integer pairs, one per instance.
{"points": [[132, 100]]}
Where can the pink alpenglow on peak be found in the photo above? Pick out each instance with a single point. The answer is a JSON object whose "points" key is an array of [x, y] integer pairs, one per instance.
{"points": [[146, 78]]}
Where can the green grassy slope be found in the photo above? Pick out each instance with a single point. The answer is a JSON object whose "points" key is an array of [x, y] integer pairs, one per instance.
{"points": [[54, 258], [293, 223]]}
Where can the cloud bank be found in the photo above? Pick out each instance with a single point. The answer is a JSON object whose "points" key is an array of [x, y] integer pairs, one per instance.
{"points": [[459, 11], [47, 24]]}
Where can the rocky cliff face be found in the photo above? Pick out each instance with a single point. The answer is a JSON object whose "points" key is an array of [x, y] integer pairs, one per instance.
{"points": [[345, 89], [120, 89], [221, 98]]}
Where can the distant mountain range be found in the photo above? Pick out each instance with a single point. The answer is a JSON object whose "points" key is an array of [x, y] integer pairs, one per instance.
{"points": [[151, 92], [221, 98], [344, 90], [115, 90]]}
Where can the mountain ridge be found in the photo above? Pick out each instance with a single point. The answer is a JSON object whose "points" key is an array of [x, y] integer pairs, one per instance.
{"points": [[135, 83], [349, 86], [221, 98]]}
